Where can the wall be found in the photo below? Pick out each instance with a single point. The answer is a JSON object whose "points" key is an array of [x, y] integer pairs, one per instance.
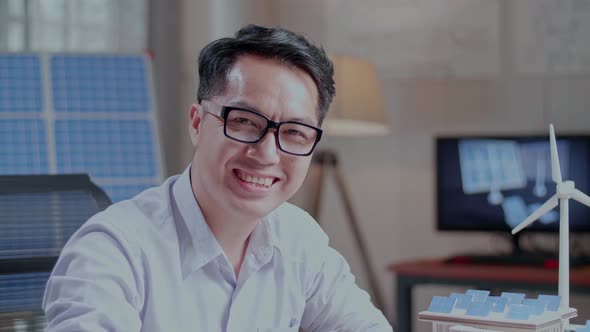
{"points": [[448, 67], [202, 22], [164, 42], [451, 67]]}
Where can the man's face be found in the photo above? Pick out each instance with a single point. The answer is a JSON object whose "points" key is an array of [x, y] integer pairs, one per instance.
{"points": [[223, 170]]}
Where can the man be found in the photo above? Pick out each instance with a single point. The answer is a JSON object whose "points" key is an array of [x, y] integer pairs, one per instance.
{"points": [[217, 248]]}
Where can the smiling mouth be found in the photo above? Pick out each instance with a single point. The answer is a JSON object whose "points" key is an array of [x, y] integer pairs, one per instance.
{"points": [[261, 181]]}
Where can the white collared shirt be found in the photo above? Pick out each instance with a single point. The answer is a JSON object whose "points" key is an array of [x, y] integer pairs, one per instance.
{"points": [[152, 264]]}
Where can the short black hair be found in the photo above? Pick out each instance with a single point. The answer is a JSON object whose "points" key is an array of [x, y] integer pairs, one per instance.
{"points": [[284, 46]]}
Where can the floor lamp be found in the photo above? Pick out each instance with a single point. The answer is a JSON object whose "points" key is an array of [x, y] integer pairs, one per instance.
{"points": [[357, 110]]}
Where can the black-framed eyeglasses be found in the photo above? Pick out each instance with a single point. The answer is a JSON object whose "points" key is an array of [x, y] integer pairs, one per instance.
{"points": [[247, 126]]}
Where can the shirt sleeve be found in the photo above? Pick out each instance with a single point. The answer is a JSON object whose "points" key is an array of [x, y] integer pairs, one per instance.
{"points": [[334, 301], [95, 285]]}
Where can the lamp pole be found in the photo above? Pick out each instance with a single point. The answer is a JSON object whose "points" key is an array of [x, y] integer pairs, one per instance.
{"points": [[329, 159]]}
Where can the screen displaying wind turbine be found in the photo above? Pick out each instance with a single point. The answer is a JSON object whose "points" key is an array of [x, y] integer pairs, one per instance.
{"points": [[536, 160], [488, 165], [518, 168]]}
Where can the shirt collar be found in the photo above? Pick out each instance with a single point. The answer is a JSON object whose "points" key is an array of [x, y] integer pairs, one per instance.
{"points": [[263, 239], [197, 244]]}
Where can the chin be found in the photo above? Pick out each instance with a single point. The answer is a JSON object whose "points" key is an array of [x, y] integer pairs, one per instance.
{"points": [[255, 210]]}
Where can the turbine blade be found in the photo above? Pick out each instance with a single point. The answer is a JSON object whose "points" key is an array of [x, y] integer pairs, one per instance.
{"points": [[581, 197], [546, 207], [555, 169]]}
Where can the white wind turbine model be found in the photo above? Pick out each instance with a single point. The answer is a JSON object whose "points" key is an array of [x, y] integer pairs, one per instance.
{"points": [[565, 190]]}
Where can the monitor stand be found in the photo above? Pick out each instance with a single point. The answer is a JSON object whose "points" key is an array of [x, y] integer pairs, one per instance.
{"points": [[518, 257]]}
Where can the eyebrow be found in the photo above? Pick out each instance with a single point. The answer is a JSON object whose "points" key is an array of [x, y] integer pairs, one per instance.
{"points": [[247, 106]]}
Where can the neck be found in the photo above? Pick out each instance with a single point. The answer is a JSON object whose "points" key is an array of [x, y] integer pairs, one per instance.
{"points": [[231, 233], [231, 230]]}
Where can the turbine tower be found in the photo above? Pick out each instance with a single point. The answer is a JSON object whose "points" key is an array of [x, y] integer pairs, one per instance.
{"points": [[564, 191]]}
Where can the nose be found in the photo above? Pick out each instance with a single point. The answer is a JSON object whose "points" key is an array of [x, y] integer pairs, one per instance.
{"points": [[265, 151]]}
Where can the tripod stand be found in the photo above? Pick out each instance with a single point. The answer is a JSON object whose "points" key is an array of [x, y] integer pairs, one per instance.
{"points": [[329, 160]]}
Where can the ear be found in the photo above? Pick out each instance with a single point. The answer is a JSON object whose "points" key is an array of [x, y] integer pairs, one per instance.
{"points": [[196, 117]]}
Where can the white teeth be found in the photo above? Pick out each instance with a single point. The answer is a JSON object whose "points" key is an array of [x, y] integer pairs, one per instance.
{"points": [[267, 182]]}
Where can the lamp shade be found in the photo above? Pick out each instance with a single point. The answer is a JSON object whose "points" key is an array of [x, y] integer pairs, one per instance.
{"points": [[357, 109]]}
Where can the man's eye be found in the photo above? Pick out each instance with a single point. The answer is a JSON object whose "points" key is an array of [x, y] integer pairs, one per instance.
{"points": [[245, 121], [295, 132]]}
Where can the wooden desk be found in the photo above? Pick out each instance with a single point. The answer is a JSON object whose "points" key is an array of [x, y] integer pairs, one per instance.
{"points": [[489, 277]]}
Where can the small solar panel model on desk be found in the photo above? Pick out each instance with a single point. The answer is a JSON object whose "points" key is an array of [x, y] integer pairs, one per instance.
{"points": [[477, 311]]}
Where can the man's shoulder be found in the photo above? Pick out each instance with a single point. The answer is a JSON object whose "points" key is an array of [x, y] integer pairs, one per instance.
{"points": [[293, 218], [149, 209], [296, 230]]}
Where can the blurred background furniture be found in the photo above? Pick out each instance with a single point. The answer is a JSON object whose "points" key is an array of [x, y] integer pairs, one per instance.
{"points": [[38, 214]]}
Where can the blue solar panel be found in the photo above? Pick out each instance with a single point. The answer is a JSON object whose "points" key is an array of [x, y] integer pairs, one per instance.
{"points": [[498, 303], [553, 301], [537, 306], [441, 304], [478, 295], [513, 298], [23, 292], [518, 312], [20, 83], [463, 300], [100, 120], [23, 148], [120, 145], [479, 308], [106, 148], [99, 83], [48, 221], [585, 328]]}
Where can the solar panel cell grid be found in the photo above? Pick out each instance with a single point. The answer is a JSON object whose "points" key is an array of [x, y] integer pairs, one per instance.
{"points": [[20, 83], [51, 218], [105, 148], [22, 292], [99, 84], [23, 147]]}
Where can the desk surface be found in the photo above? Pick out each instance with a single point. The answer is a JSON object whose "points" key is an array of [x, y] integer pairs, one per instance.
{"points": [[436, 268]]}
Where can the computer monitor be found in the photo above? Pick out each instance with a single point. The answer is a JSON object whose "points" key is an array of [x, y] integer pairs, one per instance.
{"points": [[492, 183]]}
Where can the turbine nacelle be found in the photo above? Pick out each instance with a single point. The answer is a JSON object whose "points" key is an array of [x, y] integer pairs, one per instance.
{"points": [[565, 189]]}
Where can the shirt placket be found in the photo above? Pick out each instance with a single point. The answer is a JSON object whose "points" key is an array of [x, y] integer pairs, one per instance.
{"points": [[239, 313]]}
